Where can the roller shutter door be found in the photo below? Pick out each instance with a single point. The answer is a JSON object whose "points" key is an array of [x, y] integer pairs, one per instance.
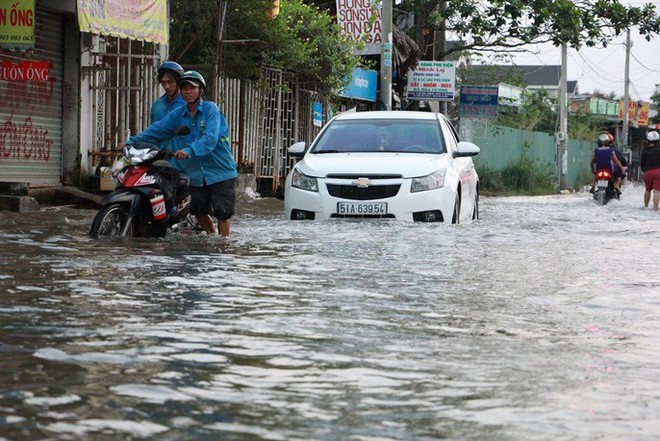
{"points": [[31, 108]]}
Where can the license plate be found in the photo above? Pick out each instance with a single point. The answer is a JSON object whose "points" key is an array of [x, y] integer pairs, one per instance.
{"points": [[362, 208], [603, 183]]}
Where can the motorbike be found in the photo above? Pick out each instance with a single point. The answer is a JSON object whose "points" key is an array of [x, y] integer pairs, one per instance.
{"points": [[604, 189], [150, 198]]}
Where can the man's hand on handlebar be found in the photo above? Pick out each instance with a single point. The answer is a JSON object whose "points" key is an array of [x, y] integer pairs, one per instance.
{"points": [[180, 154]]}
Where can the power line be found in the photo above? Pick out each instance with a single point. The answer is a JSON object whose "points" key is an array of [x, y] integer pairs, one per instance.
{"points": [[642, 65]]}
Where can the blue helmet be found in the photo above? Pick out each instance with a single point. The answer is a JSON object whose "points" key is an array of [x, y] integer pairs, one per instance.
{"points": [[171, 67]]}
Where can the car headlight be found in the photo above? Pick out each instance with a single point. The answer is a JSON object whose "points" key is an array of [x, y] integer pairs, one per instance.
{"points": [[303, 182], [429, 182]]}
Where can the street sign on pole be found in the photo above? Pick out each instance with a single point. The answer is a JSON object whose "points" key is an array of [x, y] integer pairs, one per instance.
{"points": [[432, 80], [478, 102]]}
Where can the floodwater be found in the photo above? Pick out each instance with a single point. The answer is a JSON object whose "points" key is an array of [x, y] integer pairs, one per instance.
{"points": [[541, 321]]}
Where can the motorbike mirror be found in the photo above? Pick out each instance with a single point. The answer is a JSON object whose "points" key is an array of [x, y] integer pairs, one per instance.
{"points": [[181, 130]]}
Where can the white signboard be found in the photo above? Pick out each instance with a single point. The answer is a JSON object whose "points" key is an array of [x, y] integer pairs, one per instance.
{"points": [[355, 19], [432, 80]]}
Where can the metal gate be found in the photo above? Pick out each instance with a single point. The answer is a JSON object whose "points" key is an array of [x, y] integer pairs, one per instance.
{"points": [[121, 75], [31, 106], [264, 122], [279, 122]]}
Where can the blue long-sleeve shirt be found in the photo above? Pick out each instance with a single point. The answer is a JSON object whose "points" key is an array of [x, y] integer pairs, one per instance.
{"points": [[161, 107], [207, 144]]}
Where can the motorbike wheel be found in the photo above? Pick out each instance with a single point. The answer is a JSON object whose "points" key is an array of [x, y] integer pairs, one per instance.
{"points": [[600, 197], [111, 221]]}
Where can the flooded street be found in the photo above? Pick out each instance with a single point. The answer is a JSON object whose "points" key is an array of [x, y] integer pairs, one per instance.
{"points": [[541, 321]]}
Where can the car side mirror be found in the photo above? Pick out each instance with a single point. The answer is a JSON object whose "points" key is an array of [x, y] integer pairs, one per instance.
{"points": [[465, 149], [297, 150]]}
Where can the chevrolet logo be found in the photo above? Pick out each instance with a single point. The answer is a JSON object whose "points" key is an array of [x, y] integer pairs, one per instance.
{"points": [[362, 182]]}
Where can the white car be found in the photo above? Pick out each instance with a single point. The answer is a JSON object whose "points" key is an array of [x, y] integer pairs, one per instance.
{"points": [[400, 165]]}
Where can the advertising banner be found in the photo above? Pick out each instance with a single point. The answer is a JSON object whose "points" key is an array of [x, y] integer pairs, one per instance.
{"points": [[432, 80], [638, 113], [317, 114], [363, 85], [17, 24], [24, 71], [478, 101], [361, 19], [144, 20]]}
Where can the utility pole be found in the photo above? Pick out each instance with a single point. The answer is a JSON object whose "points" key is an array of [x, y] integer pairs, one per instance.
{"points": [[217, 67], [626, 94], [386, 56], [562, 136]]}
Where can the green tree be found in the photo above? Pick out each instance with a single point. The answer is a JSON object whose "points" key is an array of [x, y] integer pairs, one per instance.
{"points": [[655, 101], [537, 113], [510, 24], [301, 39]]}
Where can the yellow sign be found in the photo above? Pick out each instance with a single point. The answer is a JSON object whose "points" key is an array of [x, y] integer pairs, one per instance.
{"points": [[638, 113], [17, 24], [144, 20]]}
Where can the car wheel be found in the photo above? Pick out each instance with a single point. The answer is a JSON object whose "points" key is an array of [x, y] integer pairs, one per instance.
{"points": [[475, 211], [456, 217]]}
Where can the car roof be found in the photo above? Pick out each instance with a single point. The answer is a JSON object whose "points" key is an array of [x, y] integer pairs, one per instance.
{"points": [[388, 114]]}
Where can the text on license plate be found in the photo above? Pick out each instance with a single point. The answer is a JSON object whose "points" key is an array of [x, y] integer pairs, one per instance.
{"points": [[362, 208]]}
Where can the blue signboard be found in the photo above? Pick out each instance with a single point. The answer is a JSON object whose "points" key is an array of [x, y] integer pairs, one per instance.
{"points": [[362, 86], [317, 110], [478, 102]]}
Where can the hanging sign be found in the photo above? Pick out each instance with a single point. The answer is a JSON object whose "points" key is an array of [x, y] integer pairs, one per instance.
{"points": [[24, 71], [432, 80], [317, 111], [363, 85], [361, 19], [478, 101], [17, 24], [144, 20]]}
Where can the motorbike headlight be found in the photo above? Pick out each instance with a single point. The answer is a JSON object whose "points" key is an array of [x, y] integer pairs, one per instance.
{"points": [[303, 182], [429, 182]]}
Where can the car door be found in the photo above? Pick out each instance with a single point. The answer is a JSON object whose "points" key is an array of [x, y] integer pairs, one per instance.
{"points": [[464, 167]]}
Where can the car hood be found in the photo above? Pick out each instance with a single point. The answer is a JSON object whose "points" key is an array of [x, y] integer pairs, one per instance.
{"points": [[409, 165]]}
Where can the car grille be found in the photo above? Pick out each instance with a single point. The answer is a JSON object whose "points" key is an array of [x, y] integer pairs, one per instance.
{"points": [[348, 176], [354, 192]]}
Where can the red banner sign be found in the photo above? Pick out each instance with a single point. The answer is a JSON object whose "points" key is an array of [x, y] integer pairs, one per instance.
{"points": [[24, 71]]}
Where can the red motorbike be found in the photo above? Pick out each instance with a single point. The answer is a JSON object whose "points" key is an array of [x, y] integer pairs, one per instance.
{"points": [[151, 196]]}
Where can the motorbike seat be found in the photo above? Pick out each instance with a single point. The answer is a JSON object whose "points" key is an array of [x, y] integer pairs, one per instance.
{"points": [[184, 180], [162, 163]]}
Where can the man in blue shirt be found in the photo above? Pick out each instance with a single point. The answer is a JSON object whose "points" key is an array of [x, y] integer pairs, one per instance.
{"points": [[204, 154], [168, 77]]}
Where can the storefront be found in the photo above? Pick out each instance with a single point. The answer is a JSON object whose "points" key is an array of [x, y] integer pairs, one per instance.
{"points": [[75, 79], [31, 93]]}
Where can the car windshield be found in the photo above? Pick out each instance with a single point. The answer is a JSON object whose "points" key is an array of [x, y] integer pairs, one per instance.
{"points": [[381, 135]]}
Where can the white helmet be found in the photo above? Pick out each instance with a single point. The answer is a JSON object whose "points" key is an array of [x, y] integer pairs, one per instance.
{"points": [[652, 136]]}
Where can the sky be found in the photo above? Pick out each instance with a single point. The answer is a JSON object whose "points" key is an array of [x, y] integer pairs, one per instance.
{"points": [[603, 69]]}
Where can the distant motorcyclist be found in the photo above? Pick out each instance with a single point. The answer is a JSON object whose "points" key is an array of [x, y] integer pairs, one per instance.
{"points": [[618, 173], [604, 158]]}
